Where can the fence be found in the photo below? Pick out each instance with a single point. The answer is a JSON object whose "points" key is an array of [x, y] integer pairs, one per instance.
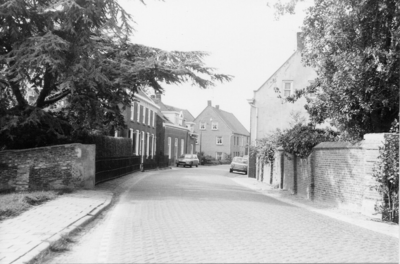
{"points": [[156, 162], [108, 168]]}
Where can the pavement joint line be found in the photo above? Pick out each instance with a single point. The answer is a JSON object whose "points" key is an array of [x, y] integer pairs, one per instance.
{"points": [[81, 222], [373, 226]]}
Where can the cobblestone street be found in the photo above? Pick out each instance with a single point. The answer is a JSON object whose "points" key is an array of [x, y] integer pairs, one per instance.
{"points": [[200, 215]]}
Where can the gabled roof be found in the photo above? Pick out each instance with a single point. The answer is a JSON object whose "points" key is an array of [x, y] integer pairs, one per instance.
{"points": [[277, 71], [232, 122], [186, 114]]}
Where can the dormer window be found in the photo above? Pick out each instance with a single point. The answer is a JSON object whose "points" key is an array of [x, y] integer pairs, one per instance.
{"points": [[214, 125], [202, 126]]}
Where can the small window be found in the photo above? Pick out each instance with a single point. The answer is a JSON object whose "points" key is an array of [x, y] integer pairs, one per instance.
{"points": [[138, 114], [169, 147], [219, 140], [149, 117], [154, 118], [287, 89], [144, 115], [202, 126], [214, 125], [132, 110]]}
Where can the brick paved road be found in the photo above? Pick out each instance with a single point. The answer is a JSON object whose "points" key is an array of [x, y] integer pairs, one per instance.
{"points": [[201, 215]]}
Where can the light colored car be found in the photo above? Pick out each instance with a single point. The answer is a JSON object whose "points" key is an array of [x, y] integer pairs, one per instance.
{"points": [[239, 164], [188, 160]]}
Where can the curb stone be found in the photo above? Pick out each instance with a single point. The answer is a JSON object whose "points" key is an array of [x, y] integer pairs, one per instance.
{"points": [[30, 256]]}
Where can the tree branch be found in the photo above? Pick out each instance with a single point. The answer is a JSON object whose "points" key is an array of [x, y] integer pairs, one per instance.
{"points": [[56, 98], [48, 85]]}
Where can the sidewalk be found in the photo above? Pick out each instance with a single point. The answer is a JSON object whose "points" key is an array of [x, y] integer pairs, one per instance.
{"points": [[321, 208], [27, 235]]}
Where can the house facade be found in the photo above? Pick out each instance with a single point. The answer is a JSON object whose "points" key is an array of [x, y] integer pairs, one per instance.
{"points": [[178, 129], [141, 120], [268, 111], [220, 133]]}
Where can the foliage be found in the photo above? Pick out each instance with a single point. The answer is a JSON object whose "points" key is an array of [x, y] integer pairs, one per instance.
{"points": [[109, 146], [266, 147], [68, 67], [354, 47], [386, 173], [14, 204], [300, 139]]}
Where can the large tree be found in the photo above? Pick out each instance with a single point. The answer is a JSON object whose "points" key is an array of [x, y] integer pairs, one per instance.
{"points": [[77, 51], [355, 48]]}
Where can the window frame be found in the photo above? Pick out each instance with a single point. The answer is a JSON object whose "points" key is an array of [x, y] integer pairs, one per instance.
{"points": [[203, 124], [216, 140], [214, 124], [290, 89]]}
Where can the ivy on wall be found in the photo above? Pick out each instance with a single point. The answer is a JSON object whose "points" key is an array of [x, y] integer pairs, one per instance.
{"points": [[386, 173]]}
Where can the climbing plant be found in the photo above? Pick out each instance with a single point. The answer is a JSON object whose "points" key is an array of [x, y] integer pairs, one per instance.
{"points": [[386, 173]]}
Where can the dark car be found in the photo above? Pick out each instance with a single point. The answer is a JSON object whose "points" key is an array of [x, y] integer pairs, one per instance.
{"points": [[188, 160], [239, 164]]}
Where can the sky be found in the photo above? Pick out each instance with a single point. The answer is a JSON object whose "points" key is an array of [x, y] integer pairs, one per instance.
{"points": [[243, 39]]}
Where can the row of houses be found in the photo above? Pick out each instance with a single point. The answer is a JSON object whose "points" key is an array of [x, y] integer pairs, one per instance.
{"points": [[157, 129]]}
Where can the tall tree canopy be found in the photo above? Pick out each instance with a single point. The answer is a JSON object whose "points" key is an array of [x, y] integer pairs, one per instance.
{"points": [[355, 48], [77, 51]]}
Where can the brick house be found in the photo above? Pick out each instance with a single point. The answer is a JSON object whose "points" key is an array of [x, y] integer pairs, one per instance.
{"points": [[268, 112], [143, 120], [221, 133], [178, 129]]}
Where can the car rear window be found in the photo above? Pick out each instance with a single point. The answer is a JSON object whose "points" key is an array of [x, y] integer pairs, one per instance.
{"points": [[240, 160]]}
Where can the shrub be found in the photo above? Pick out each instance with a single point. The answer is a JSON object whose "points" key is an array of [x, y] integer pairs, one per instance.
{"points": [[386, 173], [301, 139], [109, 146]]}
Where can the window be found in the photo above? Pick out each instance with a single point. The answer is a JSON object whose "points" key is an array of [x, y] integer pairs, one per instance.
{"points": [[155, 145], [214, 125], [182, 146], [202, 126], [132, 110], [138, 114], [154, 118], [137, 142], [149, 117], [116, 133], [287, 88], [311, 95], [144, 114], [169, 147], [142, 143], [152, 145], [219, 140], [148, 145], [176, 148]]}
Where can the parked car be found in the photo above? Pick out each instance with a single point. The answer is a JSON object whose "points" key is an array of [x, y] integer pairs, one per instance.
{"points": [[239, 164], [188, 160]]}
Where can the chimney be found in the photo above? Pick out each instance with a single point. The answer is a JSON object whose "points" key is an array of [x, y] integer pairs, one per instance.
{"points": [[209, 103], [300, 44], [158, 96], [217, 106]]}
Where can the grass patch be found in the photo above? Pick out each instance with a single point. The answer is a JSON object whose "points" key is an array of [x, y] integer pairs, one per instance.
{"points": [[13, 204]]}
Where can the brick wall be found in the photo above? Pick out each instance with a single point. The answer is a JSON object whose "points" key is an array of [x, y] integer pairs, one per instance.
{"points": [[339, 173], [45, 168]]}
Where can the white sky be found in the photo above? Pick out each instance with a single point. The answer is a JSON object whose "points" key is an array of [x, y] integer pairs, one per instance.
{"points": [[242, 37]]}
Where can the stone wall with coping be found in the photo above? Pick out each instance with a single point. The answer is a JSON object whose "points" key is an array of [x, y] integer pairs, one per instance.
{"points": [[48, 168]]}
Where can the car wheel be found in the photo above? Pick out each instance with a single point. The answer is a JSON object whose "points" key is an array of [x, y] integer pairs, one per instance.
{"points": [[230, 170], [197, 166], [245, 173], [177, 165]]}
